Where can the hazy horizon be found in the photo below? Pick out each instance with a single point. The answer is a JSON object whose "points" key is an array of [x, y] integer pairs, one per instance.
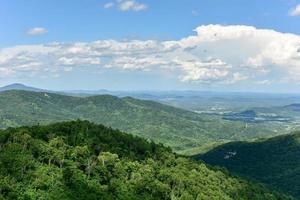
{"points": [[150, 91]]}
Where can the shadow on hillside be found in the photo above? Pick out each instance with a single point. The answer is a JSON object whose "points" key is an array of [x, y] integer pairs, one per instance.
{"points": [[274, 162]]}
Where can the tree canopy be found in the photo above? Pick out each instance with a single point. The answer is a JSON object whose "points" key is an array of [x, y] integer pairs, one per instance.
{"points": [[81, 160]]}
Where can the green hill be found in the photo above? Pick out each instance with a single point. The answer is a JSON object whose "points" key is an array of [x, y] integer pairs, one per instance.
{"points": [[80, 160], [19, 86], [174, 127], [275, 161]]}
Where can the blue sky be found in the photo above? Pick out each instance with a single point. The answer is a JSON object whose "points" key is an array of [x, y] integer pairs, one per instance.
{"points": [[92, 44]]}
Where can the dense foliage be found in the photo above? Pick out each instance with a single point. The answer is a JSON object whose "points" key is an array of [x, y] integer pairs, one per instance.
{"points": [[174, 127], [275, 161], [81, 160]]}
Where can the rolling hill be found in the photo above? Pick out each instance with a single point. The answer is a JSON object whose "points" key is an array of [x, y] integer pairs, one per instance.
{"points": [[19, 86], [274, 161], [172, 126], [82, 161]]}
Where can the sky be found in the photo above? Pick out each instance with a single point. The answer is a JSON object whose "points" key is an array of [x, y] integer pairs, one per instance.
{"points": [[217, 45]]}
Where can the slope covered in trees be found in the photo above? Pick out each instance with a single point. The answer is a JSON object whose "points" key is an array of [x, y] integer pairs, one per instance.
{"points": [[275, 161], [81, 160], [174, 127]]}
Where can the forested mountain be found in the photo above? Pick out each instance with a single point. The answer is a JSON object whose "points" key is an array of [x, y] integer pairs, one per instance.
{"points": [[19, 86], [174, 127], [80, 160], [275, 161]]}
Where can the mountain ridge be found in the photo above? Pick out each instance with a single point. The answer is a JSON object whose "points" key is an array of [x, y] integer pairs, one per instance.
{"points": [[178, 128], [274, 161], [20, 86]]}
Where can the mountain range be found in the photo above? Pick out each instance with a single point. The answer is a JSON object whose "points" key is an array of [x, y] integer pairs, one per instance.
{"points": [[175, 127], [274, 162]]}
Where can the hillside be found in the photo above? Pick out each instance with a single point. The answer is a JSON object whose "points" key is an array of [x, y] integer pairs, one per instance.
{"points": [[175, 127], [275, 161], [19, 86], [80, 160]]}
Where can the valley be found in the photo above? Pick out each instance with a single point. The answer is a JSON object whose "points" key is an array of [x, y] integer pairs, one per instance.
{"points": [[220, 138], [180, 129]]}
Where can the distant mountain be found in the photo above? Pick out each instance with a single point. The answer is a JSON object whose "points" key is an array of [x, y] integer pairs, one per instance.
{"points": [[172, 126], [275, 161], [294, 107], [79, 160], [19, 86], [84, 93]]}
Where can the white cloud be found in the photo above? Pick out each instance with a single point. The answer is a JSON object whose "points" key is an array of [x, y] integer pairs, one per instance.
{"points": [[6, 72], [265, 82], [134, 63], [37, 31], [126, 5], [79, 61], [248, 49], [215, 55], [237, 77], [68, 69], [109, 5], [295, 11], [203, 71], [28, 66]]}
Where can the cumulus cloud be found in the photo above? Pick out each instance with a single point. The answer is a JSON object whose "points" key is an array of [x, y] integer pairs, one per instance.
{"points": [[37, 31], [251, 51], [78, 61], [203, 70], [216, 54], [295, 11]]}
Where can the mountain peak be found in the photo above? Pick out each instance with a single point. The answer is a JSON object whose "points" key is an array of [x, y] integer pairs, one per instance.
{"points": [[16, 85], [19, 86]]}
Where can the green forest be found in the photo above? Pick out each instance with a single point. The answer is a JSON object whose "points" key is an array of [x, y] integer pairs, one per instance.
{"points": [[82, 160], [180, 129], [274, 162]]}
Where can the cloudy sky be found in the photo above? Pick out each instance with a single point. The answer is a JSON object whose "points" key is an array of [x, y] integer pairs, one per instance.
{"points": [[232, 45]]}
